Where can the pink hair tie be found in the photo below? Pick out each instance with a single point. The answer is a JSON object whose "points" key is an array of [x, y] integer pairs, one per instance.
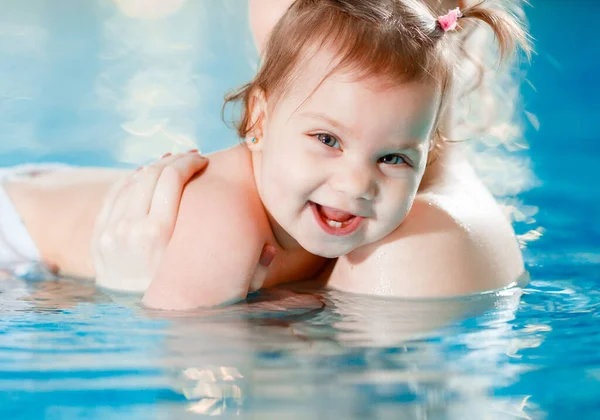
{"points": [[448, 21]]}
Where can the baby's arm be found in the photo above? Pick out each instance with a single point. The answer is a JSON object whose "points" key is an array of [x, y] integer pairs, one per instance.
{"points": [[215, 248]]}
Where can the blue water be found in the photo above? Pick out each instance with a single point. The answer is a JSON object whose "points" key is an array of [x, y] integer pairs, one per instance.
{"points": [[79, 83]]}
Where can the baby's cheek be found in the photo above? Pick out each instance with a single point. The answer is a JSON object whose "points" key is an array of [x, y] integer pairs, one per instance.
{"points": [[402, 208], [294, 174]]}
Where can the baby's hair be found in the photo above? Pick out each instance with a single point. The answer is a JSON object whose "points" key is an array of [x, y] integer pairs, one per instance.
{"points": [[487, 108], [397, 40]]}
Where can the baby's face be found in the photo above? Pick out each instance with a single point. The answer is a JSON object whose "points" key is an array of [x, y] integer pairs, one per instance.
{"points": [[338, 165]]}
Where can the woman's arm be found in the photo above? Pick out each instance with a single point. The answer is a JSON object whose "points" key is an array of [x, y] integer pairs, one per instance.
{"points": [[59, 209], [137, 220]]}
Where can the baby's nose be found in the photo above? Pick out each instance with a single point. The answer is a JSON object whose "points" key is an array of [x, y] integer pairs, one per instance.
{"points": [[356, 184]]}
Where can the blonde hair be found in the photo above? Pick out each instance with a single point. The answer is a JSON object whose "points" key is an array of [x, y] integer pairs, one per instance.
{"points": [[399, 40]]}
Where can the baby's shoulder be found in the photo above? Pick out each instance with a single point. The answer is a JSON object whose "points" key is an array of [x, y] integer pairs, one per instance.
{"points": [[215, 248], [221, 199]]}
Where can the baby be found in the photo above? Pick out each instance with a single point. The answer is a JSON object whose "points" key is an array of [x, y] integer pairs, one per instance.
{"points": [[339, 124]]}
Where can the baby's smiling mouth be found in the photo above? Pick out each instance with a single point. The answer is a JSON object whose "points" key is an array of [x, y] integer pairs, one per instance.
{"points": [[335, 222], [334, 217]]}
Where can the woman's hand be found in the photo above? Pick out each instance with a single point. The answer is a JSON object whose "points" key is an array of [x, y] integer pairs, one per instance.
{"points": [[137, 220]]}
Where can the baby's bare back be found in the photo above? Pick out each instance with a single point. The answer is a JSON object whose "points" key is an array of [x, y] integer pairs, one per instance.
{"points": [[58, 208]]}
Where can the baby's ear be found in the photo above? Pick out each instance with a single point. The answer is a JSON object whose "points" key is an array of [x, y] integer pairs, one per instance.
{"points": [[257, 110]]}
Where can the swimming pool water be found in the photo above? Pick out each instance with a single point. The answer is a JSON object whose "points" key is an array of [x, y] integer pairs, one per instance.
{"points": [[80, 83], [69, 351]]}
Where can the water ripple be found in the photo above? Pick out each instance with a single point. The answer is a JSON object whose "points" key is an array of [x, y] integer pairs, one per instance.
{"points": [[316, 352]]}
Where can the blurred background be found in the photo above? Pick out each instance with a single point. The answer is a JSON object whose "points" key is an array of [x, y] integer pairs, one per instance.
{"points": [[103, 82]]}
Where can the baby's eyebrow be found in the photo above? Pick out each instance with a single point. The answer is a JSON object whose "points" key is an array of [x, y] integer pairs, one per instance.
{"points": [[324, 118], [415, 144]]}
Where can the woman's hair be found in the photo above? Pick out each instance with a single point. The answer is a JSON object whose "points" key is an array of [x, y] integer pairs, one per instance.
{"points": [[397, 40]]}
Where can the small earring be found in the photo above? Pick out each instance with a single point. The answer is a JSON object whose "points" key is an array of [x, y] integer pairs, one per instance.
{"points": [[254, 140]]}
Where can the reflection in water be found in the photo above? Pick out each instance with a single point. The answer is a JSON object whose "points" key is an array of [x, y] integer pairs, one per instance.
{"points": [[302, 351], [282, 351]]}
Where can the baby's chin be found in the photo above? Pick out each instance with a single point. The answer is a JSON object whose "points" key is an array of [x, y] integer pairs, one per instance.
{"points": [[328, 250]]}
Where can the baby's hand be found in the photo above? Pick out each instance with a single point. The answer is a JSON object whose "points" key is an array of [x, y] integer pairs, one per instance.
{"points": [[137, 220]]}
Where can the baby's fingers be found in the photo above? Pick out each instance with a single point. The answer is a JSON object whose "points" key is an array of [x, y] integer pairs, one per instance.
{"points": [[260, 274]]}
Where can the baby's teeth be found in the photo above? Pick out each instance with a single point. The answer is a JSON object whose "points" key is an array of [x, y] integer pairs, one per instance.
{"points": [[334, 224]]}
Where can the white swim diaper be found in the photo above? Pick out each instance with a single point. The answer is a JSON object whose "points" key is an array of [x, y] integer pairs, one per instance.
{"points": [[18, 254]]}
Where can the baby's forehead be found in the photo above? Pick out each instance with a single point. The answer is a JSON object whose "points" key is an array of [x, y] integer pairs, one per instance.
{"points": [[319, 70], [320, 89], [312, 69], [319, 82]]}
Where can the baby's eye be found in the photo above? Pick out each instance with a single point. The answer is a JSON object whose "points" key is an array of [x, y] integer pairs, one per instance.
{"points": [[328, 140], [393, 160]]}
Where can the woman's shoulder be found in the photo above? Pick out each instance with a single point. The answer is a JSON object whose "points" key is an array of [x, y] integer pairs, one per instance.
{"points": [[457, 230], [460, 200], [455, 241]]}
